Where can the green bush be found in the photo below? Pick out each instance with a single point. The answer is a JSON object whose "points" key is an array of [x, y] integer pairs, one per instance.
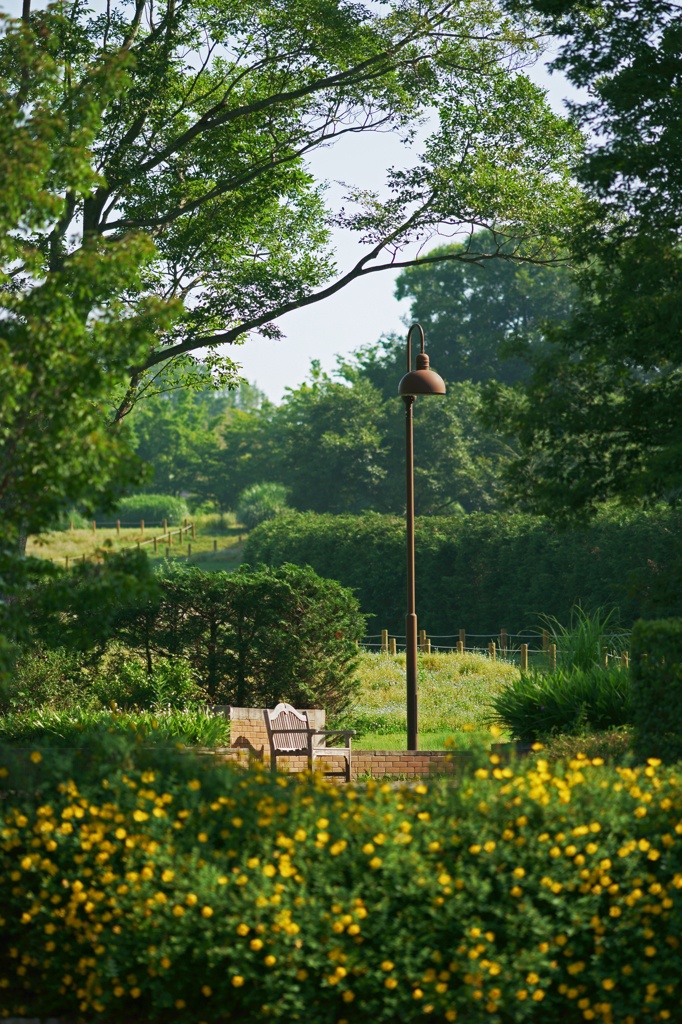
{"points": [[255, 636], [536, 705], [656, 653], [89, 730], [261, 502], [480, 572], [153, 508], [160, 887]]}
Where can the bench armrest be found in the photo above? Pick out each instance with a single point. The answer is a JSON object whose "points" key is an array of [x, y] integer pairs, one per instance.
{"points": [[335, 732]]}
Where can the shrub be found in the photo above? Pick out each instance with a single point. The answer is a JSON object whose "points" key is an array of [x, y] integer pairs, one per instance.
{"points": [[153, 508], [261, 502], [172, 683], [159, 886], [90, 730], [581, 644], [482, 572], [657, 688], [535, 705], [257, 635]]}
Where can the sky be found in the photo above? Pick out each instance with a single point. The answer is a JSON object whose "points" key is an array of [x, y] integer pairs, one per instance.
{"points": [[360, 313]]}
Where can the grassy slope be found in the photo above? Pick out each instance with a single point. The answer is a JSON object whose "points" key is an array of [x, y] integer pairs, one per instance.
{"points": [[453, 690], [56, 544]]}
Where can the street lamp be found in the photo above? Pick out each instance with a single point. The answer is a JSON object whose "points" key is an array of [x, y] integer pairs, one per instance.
{"points": [[421, 381]]}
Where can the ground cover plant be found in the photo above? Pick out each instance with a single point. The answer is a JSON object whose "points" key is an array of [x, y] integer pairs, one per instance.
{"points": [[154, 884], [88, 729]]}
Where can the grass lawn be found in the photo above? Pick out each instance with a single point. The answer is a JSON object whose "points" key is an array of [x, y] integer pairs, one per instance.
{"points": [[453, 690], [213, 546]]}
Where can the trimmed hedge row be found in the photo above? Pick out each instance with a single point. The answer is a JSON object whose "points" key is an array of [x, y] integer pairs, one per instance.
{"points": [[161, 884], [484, 571]]}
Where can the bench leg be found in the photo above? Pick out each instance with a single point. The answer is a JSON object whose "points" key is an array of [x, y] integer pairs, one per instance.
{"points": [[273, 762], [348, 766]]}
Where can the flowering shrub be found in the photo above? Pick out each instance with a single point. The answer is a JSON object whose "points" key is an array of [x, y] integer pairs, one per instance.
{"points": [[153, 884]]}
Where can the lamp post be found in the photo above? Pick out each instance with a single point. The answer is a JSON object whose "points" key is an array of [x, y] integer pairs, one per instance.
{"points": [[422, 381]]}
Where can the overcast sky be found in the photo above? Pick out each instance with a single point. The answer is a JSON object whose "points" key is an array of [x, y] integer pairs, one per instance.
{"points": [[360, 313]]}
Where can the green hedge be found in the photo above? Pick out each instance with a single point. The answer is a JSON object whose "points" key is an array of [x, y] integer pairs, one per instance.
{"points": [[657, 688], [480, 572], [152, 508], [164, 887]]}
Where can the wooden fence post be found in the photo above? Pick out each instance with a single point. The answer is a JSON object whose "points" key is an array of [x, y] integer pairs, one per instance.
{"points": [[138, 546], [186, 521], [491, 650], [142, 527], [189, 551], [605, 656], [118, 526], [155, 544], [194, 531], [422, 640], [427, 647], [503, 642], [552, 657], [168, 551], [71, 525], [170, 538], [384, 641], [524, 657], [391, 645], [460, 647], [463, 639], [545, 639], [165, 526], [67, 563], [624, 659], [94, 526], [215, 545]]}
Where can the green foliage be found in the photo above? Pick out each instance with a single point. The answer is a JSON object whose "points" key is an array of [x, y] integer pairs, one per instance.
{"points": [[587, 638], [595, 420], [261, 502], [153, 509], [480, 572], [469, 311], [224, 888], [90, 730], [656, 654], [537, 705], [255, 636]]}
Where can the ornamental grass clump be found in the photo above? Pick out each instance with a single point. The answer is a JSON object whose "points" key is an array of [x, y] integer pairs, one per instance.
{"points": [[157, 886]]}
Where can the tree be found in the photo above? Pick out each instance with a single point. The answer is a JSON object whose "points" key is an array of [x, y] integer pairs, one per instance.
{"points": [[597, 419], [208, 110], [468, 312]]}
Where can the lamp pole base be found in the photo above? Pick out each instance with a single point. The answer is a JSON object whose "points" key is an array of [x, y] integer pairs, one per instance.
{"points": [[411, 674]]}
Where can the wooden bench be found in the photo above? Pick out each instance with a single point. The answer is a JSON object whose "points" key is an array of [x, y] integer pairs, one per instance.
{"points": [[290, 734]]}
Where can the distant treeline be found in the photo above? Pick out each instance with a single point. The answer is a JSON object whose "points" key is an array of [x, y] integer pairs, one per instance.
{"points": [[487, 571]]}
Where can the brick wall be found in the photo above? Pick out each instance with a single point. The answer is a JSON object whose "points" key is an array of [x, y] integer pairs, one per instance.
{"points": [[249, 738]]}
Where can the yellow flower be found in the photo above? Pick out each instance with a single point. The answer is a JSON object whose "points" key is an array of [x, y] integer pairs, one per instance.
{"points": [[348, 996], [194, 784], [417, 994], [243, 929], [269, 870], [387, 965], [532, 978], [615, 911], [522, 994], [36, 757], [538, 995], [270, 961], [255, 944], [165, 962], [167, 875], [650, 950], [516, 891], [207, 911], [180, 1004], [178, 910], [301, 974], [253, 862], [190, 899], [368, 848], [119, 991], [237, 980], [489, 846], [237, 822], [519, 872], [608, 983], [391, 983], [202, 837], [375, 862], [206, 990]]}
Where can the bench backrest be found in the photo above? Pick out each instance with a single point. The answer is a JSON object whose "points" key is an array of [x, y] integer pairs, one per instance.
{"points": [[284, 716]]}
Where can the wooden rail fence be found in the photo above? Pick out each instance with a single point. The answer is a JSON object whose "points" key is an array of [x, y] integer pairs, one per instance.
{"points": [[165, 538]]}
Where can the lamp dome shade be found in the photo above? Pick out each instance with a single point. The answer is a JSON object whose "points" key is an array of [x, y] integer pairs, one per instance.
{"points": [[422, 382]]}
